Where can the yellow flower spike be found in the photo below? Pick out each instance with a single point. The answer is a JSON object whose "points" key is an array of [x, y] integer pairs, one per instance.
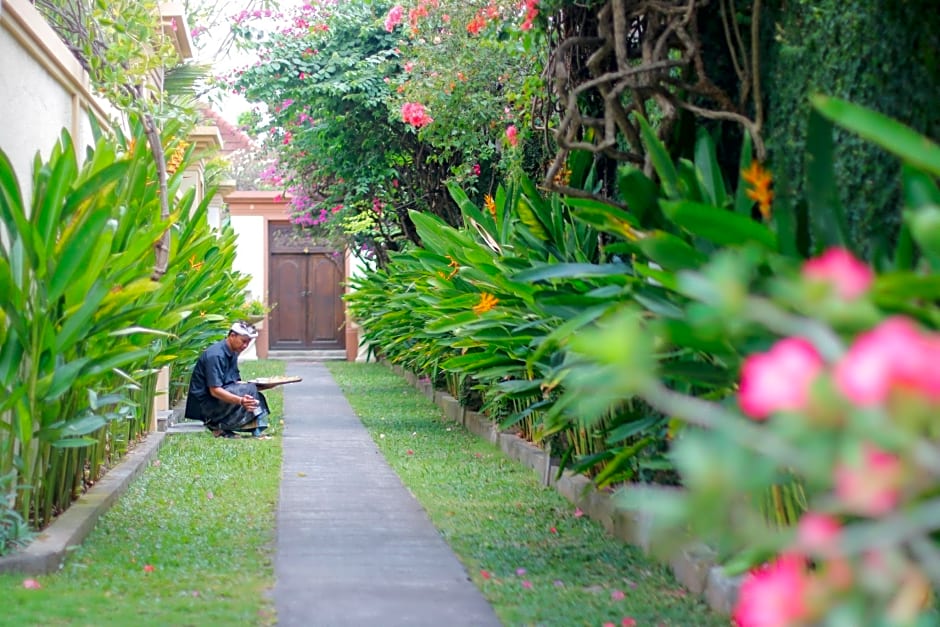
{"points": [[760, 180], [487, 302], [453, 264], [490, 204]]}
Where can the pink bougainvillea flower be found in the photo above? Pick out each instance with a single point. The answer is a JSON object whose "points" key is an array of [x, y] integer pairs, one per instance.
{"points": [[818, 534], [850, 277], [779, 379], [512, 135], [894, 355], [393, 18], [148, 568], [31, 584], [415, 114], [870, 483], [774, 595], [475, 169], [617, 595], [531, 12]]}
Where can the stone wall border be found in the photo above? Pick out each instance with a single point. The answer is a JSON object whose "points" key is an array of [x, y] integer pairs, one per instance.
{"points": [[48, 550]]}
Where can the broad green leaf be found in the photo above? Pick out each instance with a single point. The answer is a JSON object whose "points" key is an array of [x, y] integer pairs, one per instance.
{"points": [[638, 192], [706, 160], [528, 216], [671, 252], [827, 217], [888, 133], [718, 225], [73, 253], [743, 204], [571, 271], [668, 175]]}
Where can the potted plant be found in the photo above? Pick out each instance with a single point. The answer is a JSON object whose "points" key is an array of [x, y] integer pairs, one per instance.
{"points": [[254, 310]]}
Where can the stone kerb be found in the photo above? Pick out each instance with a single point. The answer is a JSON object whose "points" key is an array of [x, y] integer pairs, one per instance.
{"points": [[46, 553], [694, 565]]}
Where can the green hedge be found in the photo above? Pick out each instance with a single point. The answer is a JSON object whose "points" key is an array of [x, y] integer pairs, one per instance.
{"points": [[882, 54]]}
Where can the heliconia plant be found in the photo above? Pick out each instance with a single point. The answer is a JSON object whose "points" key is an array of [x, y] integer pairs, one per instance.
{"points": [[835, 389], [83, 324]]}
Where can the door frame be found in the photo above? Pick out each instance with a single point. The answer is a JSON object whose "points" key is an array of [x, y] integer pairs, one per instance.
{"points": [[250, 213], [309, 250]]}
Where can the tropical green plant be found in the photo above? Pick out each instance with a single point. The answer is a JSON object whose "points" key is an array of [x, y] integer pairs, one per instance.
{"points": [[85, 327], [830, 429]]}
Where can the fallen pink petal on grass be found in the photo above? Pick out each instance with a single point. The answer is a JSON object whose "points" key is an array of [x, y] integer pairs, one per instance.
{"points": [[31, 584], [148, 568], [628, 621], [578, 513], [617, 595], [410, 452], [485, 574], [527, 584], [552, 530], [520, 571], [210, 495]]}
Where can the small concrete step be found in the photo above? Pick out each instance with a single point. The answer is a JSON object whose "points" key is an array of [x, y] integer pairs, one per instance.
{"points": [[187, 426], [308, 355]]}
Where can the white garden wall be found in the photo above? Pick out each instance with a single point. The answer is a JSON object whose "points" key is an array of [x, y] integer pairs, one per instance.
{"points": [[43, 89]]}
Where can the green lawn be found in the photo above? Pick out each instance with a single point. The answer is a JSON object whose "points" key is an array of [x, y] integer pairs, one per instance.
{"points": [[189, 543], [535, 560]]}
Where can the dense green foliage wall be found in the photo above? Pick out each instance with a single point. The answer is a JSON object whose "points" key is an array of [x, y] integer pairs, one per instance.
{"points": [[883, 54]]}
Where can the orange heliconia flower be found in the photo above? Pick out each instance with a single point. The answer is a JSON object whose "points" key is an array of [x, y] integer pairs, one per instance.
{"points": [[176, 159], [490, 204], [487, 302], [453, 264], [760, 180]]}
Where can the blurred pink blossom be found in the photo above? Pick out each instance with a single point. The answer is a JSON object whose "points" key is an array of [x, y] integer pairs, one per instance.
{"points": [[779, 379], [818, 534], [850, 277], [512, 134], [893, 355], [774, 595], [870, 483]]}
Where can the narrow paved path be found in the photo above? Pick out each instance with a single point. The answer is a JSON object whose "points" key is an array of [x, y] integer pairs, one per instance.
{"points": [[353, 545]]}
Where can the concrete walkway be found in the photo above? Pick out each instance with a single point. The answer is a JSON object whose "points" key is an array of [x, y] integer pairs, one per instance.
{"points": [[353, 545]]}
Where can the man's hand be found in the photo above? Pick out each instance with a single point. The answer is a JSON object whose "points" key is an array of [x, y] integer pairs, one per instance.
{"points": [[248, 402]]}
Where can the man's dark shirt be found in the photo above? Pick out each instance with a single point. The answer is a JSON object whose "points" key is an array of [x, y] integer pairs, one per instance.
{"points": [[216, 367]]}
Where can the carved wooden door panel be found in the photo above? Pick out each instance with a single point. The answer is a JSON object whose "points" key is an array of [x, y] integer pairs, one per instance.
{"points": [[306, 284]]}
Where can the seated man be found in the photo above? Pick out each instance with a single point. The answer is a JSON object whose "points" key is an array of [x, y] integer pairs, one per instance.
{"points": [[217, 395]]}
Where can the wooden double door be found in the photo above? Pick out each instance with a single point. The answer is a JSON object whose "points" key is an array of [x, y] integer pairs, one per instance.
{"points": [[306, 283]]}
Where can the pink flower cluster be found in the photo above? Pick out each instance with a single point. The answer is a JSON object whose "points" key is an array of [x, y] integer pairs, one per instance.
{"points": [[531, 8], [393, 18], [512, 135], [892, 363], [415, 114]]}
